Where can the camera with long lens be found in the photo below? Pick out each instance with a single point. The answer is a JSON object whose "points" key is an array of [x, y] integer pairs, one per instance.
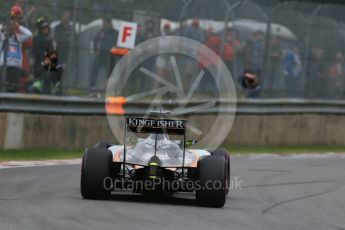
{"points": [[249, 80], [50, 59]]}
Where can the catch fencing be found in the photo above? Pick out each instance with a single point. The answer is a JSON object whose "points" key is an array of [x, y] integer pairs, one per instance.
{"points": [[296, 47]]}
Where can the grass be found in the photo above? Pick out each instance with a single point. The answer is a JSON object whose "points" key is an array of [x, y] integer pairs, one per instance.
{"points": [[284, 149], [54, 154], [38, 154]]}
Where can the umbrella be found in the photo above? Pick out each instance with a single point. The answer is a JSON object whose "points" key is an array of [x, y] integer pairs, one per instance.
{"points": [[252, 26]]}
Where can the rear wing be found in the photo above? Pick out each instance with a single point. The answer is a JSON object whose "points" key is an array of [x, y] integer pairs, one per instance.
{"points": [[156, 125]]}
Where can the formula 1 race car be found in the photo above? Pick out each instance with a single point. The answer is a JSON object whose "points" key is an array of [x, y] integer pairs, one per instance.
{"points": [[154, 159]]}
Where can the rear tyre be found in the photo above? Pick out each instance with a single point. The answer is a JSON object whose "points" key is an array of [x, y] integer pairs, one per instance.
{"points": [[102, 145], [223, 152], [211, 174], [95, 168]]}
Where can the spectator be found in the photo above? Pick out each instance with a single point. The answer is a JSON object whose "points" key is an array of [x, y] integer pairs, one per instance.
{"points": [[292, 63], [336, 73], [49, 80], [17, 15], [16, 36], [103, 43], [42, 42], [275, 60], [317, 72], [166, 30], [292, 68], [149, 30], [254, 52], [195, 32], [140, 35], [208, 84], [232, 47], [163, 61], [63, 36], [214, 43], [337, 68]]}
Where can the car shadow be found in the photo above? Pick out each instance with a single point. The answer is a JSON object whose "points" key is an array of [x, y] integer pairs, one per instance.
{"points": [[155, 198]]}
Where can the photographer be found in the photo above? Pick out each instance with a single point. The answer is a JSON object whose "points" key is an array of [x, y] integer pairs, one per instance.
{"points": [[11, 39], [50, 74], [250, 82], [41, 42]]}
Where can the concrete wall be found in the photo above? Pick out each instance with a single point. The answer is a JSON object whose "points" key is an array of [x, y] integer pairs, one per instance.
{"points": [[3, 129], [298, 129], [20, 130], [52, 131]]}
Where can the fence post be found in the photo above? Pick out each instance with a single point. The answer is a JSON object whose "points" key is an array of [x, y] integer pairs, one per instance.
{"points": [[307, 47], [266, 81], [186, 3]]}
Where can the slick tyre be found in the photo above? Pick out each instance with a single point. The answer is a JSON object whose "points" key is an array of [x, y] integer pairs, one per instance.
{"points": [[211, 174], [102, 145], [223, 152], [95, 168]]}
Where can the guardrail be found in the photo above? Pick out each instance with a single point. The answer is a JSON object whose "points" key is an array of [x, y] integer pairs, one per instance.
{"points": [[89, 106]]}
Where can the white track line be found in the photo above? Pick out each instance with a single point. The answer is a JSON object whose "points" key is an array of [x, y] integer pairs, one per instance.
{"points": [[21, 164], [265, 156]]}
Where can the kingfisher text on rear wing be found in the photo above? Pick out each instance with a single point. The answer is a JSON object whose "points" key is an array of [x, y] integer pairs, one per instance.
{"points": [[155, 123]]}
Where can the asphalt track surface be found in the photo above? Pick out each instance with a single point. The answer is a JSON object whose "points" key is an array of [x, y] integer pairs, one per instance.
{"points": [[276, 194]]}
